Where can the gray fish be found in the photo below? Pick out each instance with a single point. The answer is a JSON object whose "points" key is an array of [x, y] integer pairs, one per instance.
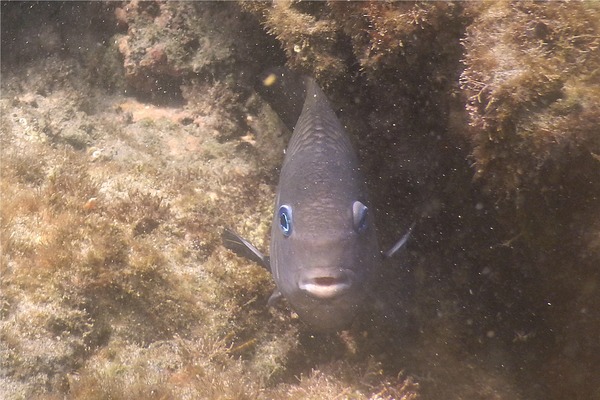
{"points": [[323, 241]]}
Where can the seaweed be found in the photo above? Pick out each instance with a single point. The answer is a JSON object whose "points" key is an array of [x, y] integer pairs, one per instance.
{"points": [[114, 282]]}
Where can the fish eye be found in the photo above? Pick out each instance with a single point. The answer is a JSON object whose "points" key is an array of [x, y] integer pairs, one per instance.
{"points": [[285, 219], [359, 214]]}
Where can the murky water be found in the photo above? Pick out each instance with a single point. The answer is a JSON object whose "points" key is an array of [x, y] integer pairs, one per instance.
{"points": [[132, 135]]}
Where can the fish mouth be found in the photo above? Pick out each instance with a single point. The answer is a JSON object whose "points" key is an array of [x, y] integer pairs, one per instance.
{"points": [[327, 285]]}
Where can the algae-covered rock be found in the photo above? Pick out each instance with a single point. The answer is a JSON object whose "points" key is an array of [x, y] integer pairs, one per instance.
{"points": [[309, 35], [132, 134], [534, 104], [191, 52], [532, 79], [110, 222], [167, 43]]}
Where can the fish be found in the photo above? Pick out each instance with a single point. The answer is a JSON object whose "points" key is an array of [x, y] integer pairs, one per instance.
{"points": [[323, 244]]}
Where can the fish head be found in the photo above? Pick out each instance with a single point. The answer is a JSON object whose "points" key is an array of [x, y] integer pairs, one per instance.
{"points": [[322, 253]]}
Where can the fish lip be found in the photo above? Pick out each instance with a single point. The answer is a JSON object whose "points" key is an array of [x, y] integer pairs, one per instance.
{"points": [[327, 284]]}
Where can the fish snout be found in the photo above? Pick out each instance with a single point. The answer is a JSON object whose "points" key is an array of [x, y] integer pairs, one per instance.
{"points": [[327, 284]]}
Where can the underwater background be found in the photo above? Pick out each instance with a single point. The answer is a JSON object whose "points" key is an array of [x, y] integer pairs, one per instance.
{"points": [[131, 135]]}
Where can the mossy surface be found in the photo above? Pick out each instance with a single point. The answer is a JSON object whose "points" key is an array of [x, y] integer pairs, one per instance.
{"points": [[533, 91], [131, 135]]}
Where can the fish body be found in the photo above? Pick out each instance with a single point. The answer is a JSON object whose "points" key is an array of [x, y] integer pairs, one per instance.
{"points": [[323, 242], [321, 266]]}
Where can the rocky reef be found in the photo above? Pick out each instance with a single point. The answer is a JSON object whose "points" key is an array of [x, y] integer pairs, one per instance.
{"points": [[533, 88], [131, 134]]}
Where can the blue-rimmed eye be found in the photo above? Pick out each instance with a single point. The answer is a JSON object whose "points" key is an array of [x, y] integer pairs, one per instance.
{"points": [[359, 214], [285, 219]]}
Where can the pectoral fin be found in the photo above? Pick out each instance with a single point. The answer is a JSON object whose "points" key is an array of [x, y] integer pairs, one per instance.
{"points": [[275, 297], [243, 248], [399, 244]]}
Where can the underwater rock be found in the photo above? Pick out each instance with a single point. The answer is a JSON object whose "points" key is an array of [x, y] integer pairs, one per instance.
{"points": [[114, 282], [532, 81], [168, 43], [533, 91], [191, 53]]}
